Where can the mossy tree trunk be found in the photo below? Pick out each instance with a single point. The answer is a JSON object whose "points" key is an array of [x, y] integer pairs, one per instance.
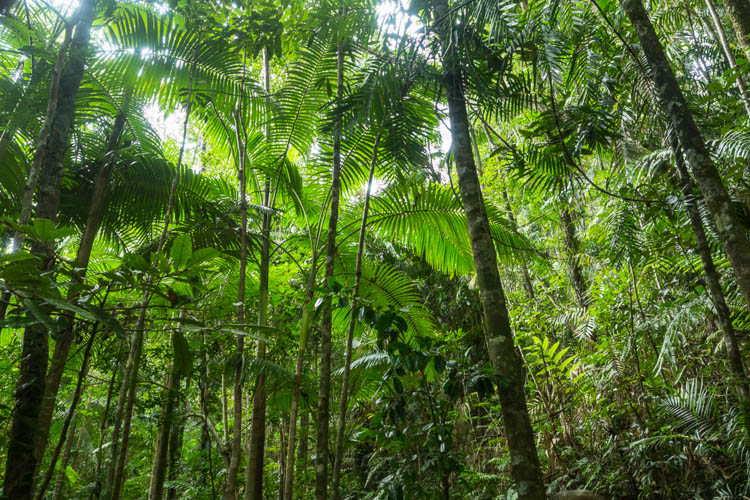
{"points": [[728, 225], [22, 456]]}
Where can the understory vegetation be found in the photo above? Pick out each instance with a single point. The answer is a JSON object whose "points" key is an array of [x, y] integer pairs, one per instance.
{"points": [[360, 249]]}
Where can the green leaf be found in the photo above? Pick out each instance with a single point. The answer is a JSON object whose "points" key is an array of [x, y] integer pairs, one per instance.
{"points": [[67, 306], [105, 319], [72, 475], [243, 333], [181, 251], [45, 230], [15, 257], [135, 261], [41, 315], [202, 255], [183, 358]]}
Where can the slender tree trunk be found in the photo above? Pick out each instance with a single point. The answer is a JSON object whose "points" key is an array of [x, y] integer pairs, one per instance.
{"points": [[341, 425], [739, 13], [130, 380], [288, 486], [231, 486], [282, 460], [163, 436], [304, 423], [22, 455], [27, 202], [722, 40], [254, 478], [103, 425], [525, 462], [69, 417], [254, 481], [93, 223], [524, 267], [60, 478], [175, 444], [728, 225], [324, 395], [734, 356], [525, 467], [527, 285], [580, 288]]}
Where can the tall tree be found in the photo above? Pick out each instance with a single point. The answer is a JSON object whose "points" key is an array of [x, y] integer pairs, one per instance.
{"points": [[23, 456], [739, 13], [324, 396], [728, 225], [254, 479], [502, 350], [83, 255]]}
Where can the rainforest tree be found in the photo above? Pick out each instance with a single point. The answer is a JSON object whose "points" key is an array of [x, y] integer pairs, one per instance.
{"points": [[374, 249]]}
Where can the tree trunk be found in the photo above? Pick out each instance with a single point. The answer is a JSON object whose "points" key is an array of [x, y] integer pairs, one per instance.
{"points": [[103, 425], [69, 417], [728, 225], [175, 444], [524, 267], [61, 474], [304, 423], [230, 492], [163, 437], [722, 40], [734, 356], [27, 202], [288, 486], [525, 467], [93, 223], [282, 460], [22, 458], [130, 380], [739, 13], [254, 478], [341, 426], [324, 394], [580, 288]]}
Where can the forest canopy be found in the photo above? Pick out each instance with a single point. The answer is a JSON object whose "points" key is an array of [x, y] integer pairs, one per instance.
{"points": [[374, 249]]}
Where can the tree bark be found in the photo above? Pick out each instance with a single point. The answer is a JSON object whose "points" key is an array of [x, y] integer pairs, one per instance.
{"points": [[734, 356], [163, 437], [722, 40], [61, 475], [69, 417], [175, 444], [230, 492], [254, 478], [304, 423], [103, 426], [339, 450], [525, 467], [572, 246], [130, 380], [502, 350], [739, 13], [22, 457], [288, 486], [728, 225], [93, 223], [528, 287], [324, 394]]}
